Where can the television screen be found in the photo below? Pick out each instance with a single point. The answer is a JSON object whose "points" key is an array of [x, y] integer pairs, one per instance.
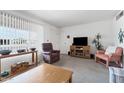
{"points": [[80, 41]]}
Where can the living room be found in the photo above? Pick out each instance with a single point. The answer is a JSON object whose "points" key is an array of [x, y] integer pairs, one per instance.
{"points": [[69, 65], [29, 29]]}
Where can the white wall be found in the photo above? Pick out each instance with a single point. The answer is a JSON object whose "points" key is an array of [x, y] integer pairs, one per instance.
{"points": [[117, 24], [87, 30], [52, 34]]}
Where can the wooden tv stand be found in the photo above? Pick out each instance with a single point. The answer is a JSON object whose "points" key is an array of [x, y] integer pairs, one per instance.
{"points": [[80, 51]]}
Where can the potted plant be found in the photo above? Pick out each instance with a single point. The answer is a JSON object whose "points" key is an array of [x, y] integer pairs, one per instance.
{"points": [[97, 43], [121, 36]]}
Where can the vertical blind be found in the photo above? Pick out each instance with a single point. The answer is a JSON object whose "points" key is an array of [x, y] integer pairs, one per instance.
{"points": [[10, 21], [14, 31]]}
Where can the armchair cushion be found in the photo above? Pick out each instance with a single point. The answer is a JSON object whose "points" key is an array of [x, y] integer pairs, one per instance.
{"points": [[115, 55], [47, 53], [56, 51], [103, 56], [100, 52], [47, 47], [54, 54]]}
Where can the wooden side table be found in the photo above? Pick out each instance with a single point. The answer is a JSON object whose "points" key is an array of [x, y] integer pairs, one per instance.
{"points": [[34, 58]]}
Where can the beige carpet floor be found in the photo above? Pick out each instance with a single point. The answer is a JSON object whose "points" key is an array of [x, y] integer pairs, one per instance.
{"points": [[84, 70]]}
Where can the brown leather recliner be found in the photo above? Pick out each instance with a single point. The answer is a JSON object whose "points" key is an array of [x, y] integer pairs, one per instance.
{"points": [[49, 55]]}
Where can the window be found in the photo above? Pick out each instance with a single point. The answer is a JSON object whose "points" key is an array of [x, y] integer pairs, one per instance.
{"points": [[17, 33]]}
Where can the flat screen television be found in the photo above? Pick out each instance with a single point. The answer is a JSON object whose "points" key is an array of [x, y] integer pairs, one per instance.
{"points": [[83, 41]]}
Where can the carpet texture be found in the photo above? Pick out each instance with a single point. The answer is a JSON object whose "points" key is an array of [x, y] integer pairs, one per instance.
{"points": [[84, 70]]}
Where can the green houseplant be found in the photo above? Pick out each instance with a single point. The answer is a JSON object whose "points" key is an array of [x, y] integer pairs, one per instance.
{"points": [[97, 43], [121, 36]]}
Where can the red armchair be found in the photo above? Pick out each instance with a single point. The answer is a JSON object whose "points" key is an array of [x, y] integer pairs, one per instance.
{"points": [[114, 57]]}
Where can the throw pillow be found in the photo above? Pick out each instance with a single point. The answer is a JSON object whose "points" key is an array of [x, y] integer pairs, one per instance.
{"points": [[110, 50]]}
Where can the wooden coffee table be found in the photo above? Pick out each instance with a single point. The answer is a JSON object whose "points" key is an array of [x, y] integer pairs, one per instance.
{"points": [[45, 73]]}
